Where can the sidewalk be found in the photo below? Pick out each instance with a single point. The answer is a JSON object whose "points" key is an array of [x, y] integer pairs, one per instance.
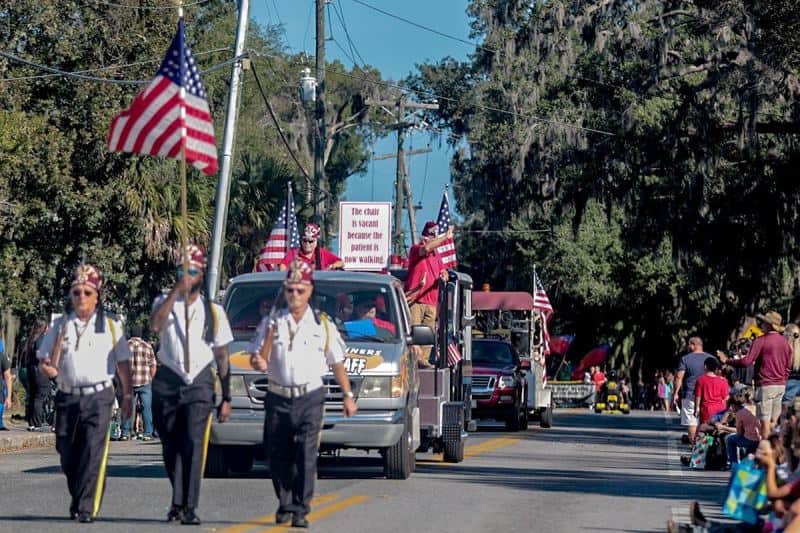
{"points": [[19, 438]]}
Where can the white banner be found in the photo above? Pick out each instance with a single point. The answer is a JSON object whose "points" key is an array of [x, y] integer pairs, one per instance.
{"points": [[365, 233]]}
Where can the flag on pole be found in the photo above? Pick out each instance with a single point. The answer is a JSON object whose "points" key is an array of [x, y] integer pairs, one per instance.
{"points": [[170, 113], [447, 250], [542, 303], [453, 353], [285, 236]]}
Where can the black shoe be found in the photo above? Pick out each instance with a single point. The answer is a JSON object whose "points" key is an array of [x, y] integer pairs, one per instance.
{"points": [[282, 517], [189, 518], [73, 515], [4, 428], [175, 513], [85, 518], [299, 521]]}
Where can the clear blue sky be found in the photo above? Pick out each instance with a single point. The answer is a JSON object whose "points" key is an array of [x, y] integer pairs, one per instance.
{"points": [[394, 47]]}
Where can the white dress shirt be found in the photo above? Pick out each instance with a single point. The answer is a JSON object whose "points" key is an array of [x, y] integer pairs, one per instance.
{"points": [[170, 352], [87, 358], [298, 355]]}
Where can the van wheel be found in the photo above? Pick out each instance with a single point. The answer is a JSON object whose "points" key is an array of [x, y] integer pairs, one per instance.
{"points": [[216, 466], [454, 451], [397, 459]]}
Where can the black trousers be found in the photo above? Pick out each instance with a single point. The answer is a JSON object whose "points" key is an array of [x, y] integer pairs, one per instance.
{"points": [[82, 434], [182, 417], [291, 436], [38, 395]]}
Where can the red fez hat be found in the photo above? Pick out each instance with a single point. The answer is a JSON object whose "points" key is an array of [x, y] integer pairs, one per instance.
{"points": [[197, 256], [312, 231], [299, 272], [430, 229], [87, 275]]}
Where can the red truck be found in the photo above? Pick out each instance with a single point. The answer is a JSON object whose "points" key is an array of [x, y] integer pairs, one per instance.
{"points": [[498, 383]]}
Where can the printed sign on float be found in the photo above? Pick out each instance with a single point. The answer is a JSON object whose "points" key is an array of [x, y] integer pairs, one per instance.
{"points": [[365, 230]]}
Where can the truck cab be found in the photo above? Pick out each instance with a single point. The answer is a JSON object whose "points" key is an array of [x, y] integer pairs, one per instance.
{"points": [[380, 364]]}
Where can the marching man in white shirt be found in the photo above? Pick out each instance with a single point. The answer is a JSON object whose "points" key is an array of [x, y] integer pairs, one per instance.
{"points": [[298, 345], [183, 387], [81, 351]]}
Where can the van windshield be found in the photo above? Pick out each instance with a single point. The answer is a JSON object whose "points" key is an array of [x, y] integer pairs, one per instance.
{"points": [[361, 312]]}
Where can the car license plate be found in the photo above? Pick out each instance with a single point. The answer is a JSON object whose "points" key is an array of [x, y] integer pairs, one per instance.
{"points": [[474, 404]]}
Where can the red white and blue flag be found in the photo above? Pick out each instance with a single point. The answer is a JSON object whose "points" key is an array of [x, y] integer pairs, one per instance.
{"points": [[446, 250], [285, 236], [453, 353], [170, 114], [542, 304]]}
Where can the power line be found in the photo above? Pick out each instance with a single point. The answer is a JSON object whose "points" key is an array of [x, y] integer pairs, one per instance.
{"points": [[54, 72], [148, 8], [340, 14], [430, 95], [426, 28]]}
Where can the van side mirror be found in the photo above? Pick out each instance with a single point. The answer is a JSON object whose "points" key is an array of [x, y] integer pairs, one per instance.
{"points": [[525, 364], [422, 335]]}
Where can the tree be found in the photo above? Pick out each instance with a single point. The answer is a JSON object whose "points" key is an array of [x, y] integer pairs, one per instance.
{"points": [[654, 138]]}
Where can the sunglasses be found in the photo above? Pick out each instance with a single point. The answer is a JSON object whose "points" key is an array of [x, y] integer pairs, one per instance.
{"points": [[309, 240], [294, 290], [78, 292], [191, 272]]}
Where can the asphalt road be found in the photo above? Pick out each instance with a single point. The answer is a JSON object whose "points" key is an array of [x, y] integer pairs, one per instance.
{"points": [[588, 473]]}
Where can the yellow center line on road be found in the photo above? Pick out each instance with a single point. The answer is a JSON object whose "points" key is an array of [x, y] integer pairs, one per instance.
{"points": [[322, 513], [269, 519], [475, 449]]}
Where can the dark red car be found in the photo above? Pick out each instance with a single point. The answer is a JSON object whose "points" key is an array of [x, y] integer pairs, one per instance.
{"points": [[498, 383]]}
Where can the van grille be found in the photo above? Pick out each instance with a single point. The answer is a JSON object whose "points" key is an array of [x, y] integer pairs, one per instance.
{"points": [[257, 388]]}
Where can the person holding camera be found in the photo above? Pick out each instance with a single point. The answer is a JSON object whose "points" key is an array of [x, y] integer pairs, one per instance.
{"points": [[772, 356]]}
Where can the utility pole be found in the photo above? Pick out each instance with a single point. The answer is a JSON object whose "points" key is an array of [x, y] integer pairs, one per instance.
{"points": [[224, 183], [402, 190], [320, 138], [399, 189]]}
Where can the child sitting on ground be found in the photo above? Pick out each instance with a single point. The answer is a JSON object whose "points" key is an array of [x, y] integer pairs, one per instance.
{"points": [[748, 429]]}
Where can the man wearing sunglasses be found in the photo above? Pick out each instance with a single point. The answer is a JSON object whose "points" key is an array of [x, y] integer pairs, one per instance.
{"points": [[183, 387], [81, 352], [317, 257], [298, 345]]}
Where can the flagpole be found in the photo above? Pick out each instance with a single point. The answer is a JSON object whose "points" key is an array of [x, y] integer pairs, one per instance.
{"points": [[184, 208]]}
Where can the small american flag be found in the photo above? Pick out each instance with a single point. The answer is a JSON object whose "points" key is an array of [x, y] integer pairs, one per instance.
{"points": [[170, 113], [447, 250], [285, 236], [453, 354]]}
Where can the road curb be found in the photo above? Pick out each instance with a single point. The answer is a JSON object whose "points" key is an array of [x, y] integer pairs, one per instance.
{"points": [[19, 441]]}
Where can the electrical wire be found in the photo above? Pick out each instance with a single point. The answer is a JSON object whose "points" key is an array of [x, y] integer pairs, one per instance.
{"points": [[430, 95], [54, 72], [148, 8], [340, 13]]}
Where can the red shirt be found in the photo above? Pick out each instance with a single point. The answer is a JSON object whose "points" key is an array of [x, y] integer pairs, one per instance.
{"points": [[599, 378], [326, 258], [772, 356], [713, 392], [431, 266]]}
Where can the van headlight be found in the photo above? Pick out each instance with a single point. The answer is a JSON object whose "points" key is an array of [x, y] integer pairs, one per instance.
{"points": [[238, 387], [381, 387]]}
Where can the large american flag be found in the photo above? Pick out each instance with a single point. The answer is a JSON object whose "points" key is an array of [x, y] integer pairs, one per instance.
{"points": [[447, 250], [285, 236], [170, 113]]}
